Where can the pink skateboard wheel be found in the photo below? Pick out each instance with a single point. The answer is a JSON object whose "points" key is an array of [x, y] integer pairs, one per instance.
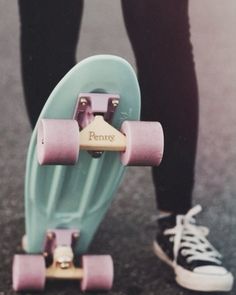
{"points": [[144, 143], [98, 272], [29, 272], [58, 142]]}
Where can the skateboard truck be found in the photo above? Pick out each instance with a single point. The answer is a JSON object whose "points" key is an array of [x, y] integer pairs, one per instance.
{"points": [[58, 262], [94, 112], [58, 246], [59, 141]]}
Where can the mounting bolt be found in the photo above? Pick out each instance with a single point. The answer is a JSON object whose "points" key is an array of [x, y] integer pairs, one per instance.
{"points": [[75, 235], [83, 101], [115, 102], [50, 235]]}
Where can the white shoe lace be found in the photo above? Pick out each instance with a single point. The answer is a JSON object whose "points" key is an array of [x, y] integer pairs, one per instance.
{"points": [[191, 239]]}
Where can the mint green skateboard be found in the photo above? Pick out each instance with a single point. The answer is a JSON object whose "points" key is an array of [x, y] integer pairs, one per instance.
{"points": [[86, 134]]}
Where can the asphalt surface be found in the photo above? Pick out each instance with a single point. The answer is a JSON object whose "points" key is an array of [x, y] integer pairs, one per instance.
{"points": [[129, 226]]}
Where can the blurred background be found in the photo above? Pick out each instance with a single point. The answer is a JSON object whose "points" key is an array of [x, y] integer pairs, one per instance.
{"points": [[129, 227]]}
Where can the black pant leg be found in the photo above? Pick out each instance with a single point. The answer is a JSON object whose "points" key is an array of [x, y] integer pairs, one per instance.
{"points": [[49, 34], [160, 35]]}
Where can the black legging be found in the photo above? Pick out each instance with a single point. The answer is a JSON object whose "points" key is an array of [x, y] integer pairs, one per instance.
{"points": [[160, 37]]}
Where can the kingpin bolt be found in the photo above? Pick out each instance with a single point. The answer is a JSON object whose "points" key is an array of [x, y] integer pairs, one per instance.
{"points": [[65, 265]]}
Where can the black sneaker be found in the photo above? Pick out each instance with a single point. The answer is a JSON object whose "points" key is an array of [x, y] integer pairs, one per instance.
{"points": [[183, 245]]}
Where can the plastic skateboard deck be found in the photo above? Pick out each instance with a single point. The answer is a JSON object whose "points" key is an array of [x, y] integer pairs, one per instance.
{"points": [[89, 121], [77, 197]]}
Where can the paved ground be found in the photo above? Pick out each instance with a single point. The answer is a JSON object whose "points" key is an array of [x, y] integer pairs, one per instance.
{"points": [[128, 230]]}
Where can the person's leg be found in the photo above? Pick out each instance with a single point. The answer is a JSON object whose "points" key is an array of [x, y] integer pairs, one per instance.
{"points": [[49, 35], [159, 33]]}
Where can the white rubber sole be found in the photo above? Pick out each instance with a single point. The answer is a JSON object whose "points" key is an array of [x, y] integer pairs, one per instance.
{"points": [[196, 281]]}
